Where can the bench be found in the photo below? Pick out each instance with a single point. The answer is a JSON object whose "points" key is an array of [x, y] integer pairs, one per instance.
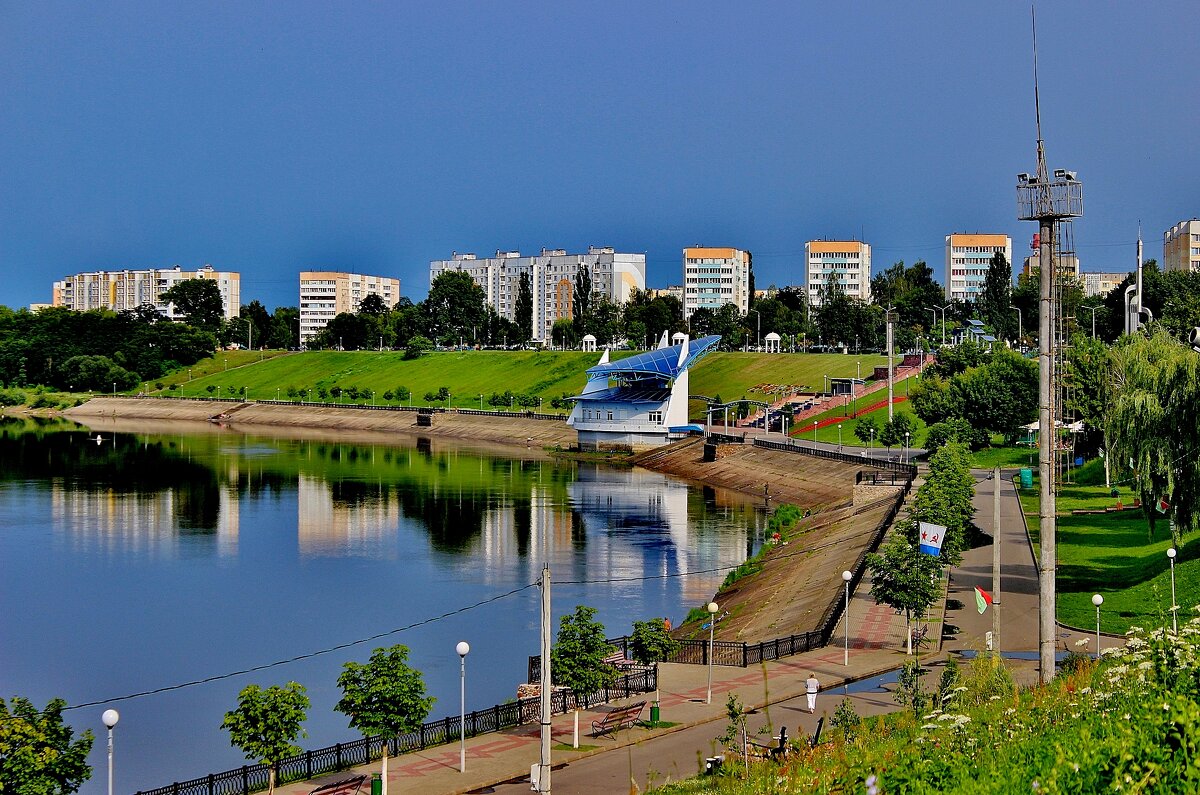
{"points": [[918, 636], [347, 786], [772, 752], [618, 660], [617, 719]]}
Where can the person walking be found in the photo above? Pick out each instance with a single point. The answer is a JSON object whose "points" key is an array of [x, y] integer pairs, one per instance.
{"points": [[811, 686]]}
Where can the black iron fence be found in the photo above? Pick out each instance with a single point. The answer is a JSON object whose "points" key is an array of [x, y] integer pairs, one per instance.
{"points": [[793, 446], [306, 765]]}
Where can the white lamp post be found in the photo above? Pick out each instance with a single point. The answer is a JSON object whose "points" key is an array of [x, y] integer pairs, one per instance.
{"points": [[846, 575], [839, 436], [814, 433], [462, 648], [110, 718], [712, 625], [906, 445], [1174, 607], [1097, 600]]}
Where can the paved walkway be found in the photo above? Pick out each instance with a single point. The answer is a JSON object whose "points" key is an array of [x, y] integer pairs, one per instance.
{"points": [[502, 760]]}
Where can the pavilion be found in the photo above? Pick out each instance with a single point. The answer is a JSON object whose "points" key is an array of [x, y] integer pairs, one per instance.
{"points": [[639, 402]]}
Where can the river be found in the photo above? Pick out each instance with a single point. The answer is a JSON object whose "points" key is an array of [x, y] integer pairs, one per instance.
{"points": [[132, 563]]}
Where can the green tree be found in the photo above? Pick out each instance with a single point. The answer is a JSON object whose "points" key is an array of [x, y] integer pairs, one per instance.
{"points": [[995, 300], [1152, 424], [904, 578], [523, 309], [651, 643], [867, 430], [894, 430], [39, 754], [384, 697], [945, 498], [417, 346], [577, 659], [562, 333], [266, 724], [581, 299], [1089, 377], [454, 308], [200, 302], [1000, 396]]}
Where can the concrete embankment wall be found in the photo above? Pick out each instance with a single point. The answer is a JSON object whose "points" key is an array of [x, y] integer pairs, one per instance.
{"points": [[510, 430]]}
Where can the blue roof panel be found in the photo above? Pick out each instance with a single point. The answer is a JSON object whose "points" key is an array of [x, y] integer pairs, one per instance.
{"points": [[663, 362]]}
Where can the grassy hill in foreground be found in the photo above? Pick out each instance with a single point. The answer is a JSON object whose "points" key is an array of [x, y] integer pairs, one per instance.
{"points": [[545, 374]]}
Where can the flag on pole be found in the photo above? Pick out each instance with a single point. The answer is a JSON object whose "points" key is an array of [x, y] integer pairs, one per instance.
{"points": [[1163, 505], [982, 599], [931, 538]]}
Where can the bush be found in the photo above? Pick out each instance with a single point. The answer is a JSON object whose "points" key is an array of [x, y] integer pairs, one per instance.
{"points": [[12, 397], [417, 346]]}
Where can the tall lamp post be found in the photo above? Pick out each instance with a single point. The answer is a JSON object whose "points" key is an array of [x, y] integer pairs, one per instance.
{"points": [[1097, 600], [462, 648], [814, 433], [906, 444], [712, 625], [1092, 309], [110, 718], [846, 575], [943, 311], [839, 436], [1174, 607]]}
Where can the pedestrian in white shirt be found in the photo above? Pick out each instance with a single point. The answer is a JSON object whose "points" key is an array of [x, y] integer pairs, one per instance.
{"points": [[811, 687]]}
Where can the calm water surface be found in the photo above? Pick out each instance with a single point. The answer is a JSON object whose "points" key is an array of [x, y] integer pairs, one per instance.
{"points": [[144, 561]]}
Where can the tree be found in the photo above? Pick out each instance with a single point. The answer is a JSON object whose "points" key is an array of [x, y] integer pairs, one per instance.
{"points": [[39, 754], [577, 659], [384, 697], [266, 724], [945, 499], [1152, 425], [1089, 376], [455, 306], [651, 643], [199, 300], [867, 430], [995, 300], [904, 578], [581, 299], [894, 430], [1000, 396], [562, 333], [373, 304], [523, 309]]}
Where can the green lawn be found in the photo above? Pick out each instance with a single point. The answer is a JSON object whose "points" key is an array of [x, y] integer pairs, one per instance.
{"points": [[1112, 554], [546, 374], [1004, 457], [829, 433]]}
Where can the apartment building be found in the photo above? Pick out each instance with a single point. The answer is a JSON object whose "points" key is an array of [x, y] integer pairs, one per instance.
{"points": [[713, 277], [122, 290], [845, 264], [1101, 284], [968, 257], [615, 275], [1067, 266], [1181, 247], [327, 294]]}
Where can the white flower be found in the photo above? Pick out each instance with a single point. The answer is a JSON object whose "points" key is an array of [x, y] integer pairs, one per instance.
{"points": [[1082, 642]]}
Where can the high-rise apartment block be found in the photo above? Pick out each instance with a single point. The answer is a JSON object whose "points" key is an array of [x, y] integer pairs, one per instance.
{"points": [[327, 294], [1067, 266], [128, 289], [843, 264], [968, 257], [1181, 247], [713, 277], [1101, 284], [615, 275]]}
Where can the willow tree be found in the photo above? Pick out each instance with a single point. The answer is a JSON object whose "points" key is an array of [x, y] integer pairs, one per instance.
{"points": [[1153, 425]]}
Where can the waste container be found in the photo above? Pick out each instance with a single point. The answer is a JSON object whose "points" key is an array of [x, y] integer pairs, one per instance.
{"points": [[376, 784], [654, 714], [1027, 478]]}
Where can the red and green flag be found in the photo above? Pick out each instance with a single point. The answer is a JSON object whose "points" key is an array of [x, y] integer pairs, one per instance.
{"points": [[982, 599], [1163, 505]]}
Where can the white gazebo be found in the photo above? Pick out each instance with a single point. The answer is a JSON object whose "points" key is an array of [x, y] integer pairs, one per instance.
{"points": [[771, 343], [678, 338], [589, 342]]}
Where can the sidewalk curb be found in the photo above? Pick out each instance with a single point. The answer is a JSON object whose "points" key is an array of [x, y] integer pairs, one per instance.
{"points": [[682, 726]]}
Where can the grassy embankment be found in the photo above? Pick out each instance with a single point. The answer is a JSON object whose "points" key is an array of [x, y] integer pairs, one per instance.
{"points": [[467, 374], [1111, 554]]}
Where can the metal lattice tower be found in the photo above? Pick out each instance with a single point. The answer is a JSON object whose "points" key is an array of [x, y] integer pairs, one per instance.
{"points": [[1050, 202]]}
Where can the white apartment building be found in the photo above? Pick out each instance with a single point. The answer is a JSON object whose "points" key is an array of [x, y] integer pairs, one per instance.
{"points": [[713, 277], [968, 257], [615, 275], [327, 294], [128, 289], [846, 263], [1181, 247], [1101, 284]]}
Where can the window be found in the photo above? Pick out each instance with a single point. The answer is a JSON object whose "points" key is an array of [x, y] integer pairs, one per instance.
{"points": [[656, 417], [610, 415]]}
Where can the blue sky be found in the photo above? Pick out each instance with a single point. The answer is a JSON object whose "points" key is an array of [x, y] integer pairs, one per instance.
{"points": [[274, 137]]}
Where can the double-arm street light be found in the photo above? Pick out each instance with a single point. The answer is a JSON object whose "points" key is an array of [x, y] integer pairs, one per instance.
{"points": [[935, 308], [1092, 309]]}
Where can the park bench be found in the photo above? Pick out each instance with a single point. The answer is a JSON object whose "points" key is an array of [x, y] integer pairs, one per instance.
{"points": [[772, 751], [347, 786], [617, 719], [919, 635], [619, 661]]}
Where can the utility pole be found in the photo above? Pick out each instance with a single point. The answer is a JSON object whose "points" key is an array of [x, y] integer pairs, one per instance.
{"points": [[891, 370], [1047, 202], [543, 782], [996, 560]]}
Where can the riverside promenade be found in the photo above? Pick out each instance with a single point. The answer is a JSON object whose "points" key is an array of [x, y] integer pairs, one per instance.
{"points": [[500, 762]]}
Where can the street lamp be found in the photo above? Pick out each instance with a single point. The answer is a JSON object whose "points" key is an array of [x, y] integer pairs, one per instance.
{"points": [[846, 575], [839, 436], [906, 433], [462, 648], [481, 401], [1097, 600], [872, 439], [943, 310], [1092, 309], [712, 624], [1174, 607], [114, 388], [814, 433], [110, 718]]}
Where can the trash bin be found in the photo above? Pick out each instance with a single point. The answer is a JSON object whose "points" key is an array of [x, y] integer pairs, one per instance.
{"points": [[376, 784], [654, 714], [1026, 478]]}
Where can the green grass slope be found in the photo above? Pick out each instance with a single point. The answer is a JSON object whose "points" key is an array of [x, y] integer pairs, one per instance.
{"points": [[467, 374]]}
